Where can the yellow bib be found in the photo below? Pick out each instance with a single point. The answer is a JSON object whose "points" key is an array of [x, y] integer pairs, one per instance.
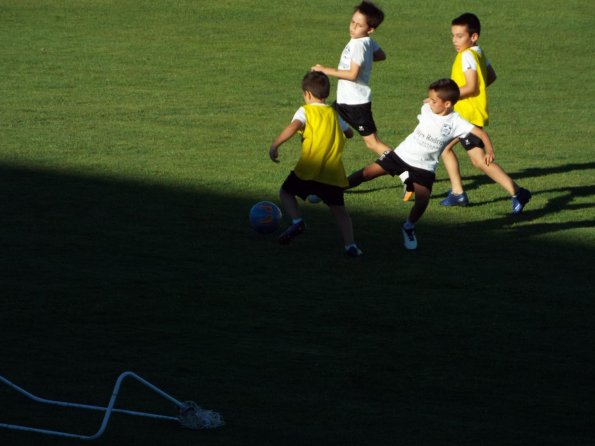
{"points": [[475, 108], [322, 147]]}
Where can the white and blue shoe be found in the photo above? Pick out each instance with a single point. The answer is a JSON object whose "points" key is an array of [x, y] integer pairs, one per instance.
{"points": [[409, 239], [519, 201]]}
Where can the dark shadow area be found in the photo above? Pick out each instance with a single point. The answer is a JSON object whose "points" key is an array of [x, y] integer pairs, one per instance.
{"points": [[482, 336]]}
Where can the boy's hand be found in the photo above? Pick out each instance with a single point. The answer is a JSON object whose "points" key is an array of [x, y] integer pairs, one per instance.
{"points": [[489, 157], [274, 154], [318, 67]]}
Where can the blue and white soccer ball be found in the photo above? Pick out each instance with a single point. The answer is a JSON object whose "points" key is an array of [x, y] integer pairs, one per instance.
{"points": [[265, 217]]}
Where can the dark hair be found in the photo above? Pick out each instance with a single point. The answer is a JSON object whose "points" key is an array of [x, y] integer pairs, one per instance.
{"points": [[447, 90], [317, 83], [469, 20], [374, 15]]}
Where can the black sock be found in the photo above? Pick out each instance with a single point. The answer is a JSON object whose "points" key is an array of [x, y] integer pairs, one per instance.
{"points": [[356, 178]]}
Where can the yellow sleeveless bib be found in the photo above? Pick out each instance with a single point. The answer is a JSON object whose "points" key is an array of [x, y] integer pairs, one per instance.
{"points": [[322, 147], [475, 108]]}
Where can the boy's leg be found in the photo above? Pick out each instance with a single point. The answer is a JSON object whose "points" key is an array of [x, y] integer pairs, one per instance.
{"points": [[422, 198], [297, 226], [374, 144], [290, 204], [456, 196], [344, 222], [494, 171], [345, 225], [451, 164], [366, 174], [360, 118]]}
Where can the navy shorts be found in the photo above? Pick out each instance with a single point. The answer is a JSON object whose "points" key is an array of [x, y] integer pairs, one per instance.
{"points": [[359, 117], [394, 165], [471, 141], [330, 195]]}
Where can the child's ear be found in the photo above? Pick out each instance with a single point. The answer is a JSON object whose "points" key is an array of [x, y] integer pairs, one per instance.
{"points": [[474, 37], [371, 30]]}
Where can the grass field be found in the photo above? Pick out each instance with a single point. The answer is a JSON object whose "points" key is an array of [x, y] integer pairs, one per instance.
{"points": [[133, 142]]}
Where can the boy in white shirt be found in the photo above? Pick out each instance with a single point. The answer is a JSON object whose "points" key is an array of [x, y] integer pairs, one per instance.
{"points": [[418, 154], [354, 95]]}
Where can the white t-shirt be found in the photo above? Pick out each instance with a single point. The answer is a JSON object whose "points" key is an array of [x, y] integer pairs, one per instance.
{"points": [[423, 147], [300, 115], [361, 51], [468, 61]]}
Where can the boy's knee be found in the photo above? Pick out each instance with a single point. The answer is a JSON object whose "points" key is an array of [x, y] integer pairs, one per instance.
{"points": [[477, 161], [371, 145], [371, 140], [478, 165]]}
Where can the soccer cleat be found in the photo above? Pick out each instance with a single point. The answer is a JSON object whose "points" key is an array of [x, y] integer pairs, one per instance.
{"points": [[292, 232], [353, 251], [519, 201], [455, 199], [409, 239]]}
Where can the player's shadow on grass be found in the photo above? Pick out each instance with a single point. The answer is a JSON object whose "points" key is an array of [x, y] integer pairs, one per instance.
{"points": [[475, 181]]}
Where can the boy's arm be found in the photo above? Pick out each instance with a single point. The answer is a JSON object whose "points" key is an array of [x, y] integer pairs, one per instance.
{"points": [[491, 75], [285, 134], [487, 142], [379, 55], [345, 127], [471, 84], [350, 75]]}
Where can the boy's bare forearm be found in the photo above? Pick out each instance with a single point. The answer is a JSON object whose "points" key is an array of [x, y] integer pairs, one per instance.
{"points": [[350, 75], [287, 133], [471, 87]]}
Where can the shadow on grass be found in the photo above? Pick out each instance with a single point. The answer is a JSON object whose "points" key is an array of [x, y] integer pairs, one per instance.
{"points": [[484, 335], [476, 181]]}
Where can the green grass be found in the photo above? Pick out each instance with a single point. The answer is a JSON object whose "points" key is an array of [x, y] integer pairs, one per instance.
{"points": [[133, 141]]}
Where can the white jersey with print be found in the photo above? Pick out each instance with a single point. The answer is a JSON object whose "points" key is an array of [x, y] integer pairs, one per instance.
{"points": [[360, 51], [423, 147]]}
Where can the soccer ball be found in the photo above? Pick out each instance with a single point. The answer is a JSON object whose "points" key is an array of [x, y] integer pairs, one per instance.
{"points": [[265, 217]]}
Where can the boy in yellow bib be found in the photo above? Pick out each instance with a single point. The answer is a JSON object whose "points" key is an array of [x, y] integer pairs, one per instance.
{"points": [[319, 170], [473, 73]]}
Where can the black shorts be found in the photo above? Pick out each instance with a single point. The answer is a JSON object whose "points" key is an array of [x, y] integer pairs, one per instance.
{"points": [[330, 195], [394, 165], [359, 117], [471, 141]]}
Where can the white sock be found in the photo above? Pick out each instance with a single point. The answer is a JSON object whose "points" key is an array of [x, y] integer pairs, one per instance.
{"points": [[404, 176]]}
